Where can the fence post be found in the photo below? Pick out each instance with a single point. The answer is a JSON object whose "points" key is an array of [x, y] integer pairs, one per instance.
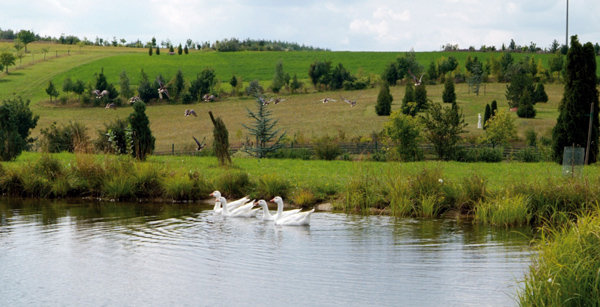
{"points": [[173, 149]]}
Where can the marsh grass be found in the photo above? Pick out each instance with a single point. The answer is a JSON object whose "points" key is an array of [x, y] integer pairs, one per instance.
{"points": [[363, 192], [148, 181], [430, 206], [180, 188], [271, 185], [11, 183], [234, 183], [473, 190], [87, 175], [503, 210], [567, 270], [119, 187], [304, 197]]}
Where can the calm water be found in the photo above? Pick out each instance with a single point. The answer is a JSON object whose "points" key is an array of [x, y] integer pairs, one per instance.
{"points": [[54, 253]]}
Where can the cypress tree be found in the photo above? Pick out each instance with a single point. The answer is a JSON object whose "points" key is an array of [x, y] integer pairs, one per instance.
{"points": [[384, 101], [487, 114], [150, 51], [494, 108], [179, 49], [186, 50], [221, 140], [574, 110], [449, 95], [157, 51], [408, 102], [421, 97], [539, 95], [142, 141], [526, 109]]}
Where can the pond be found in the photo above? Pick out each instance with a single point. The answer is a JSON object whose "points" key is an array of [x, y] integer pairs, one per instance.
{"points": [[60, 253]]}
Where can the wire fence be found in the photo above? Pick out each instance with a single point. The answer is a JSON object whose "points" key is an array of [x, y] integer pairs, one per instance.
{"points": [[349, 148]]}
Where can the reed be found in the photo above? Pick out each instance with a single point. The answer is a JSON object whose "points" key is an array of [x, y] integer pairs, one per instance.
{"points": [[399, 199], [503, 210], [234, 183], [180, 188], [271, 185], [363, 192], [566, 270], [472, 190], [119, 187], [430, 206], [87, 175], [304, 197], [148, 181]]}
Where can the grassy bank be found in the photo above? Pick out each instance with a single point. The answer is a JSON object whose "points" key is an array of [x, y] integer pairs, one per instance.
{"points": [[502, 194]]}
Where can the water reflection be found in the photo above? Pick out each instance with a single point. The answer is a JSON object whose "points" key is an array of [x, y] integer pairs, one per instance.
{"points": [[60, 253]]}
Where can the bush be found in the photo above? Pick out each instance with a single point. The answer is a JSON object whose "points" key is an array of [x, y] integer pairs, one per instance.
{"points": [[234, 184], [326, 148], [11, 183], [67, 137], [50, 168], [473, 190], [291, 153], [271, 185], [480, 154], [88, 176], [147, 181], [528, 154]]}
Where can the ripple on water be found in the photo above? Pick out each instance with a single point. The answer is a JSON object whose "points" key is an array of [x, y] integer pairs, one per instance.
{"points": [[199, 258]]}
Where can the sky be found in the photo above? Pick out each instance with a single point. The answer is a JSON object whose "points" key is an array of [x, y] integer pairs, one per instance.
{"points": [[373, 25]]}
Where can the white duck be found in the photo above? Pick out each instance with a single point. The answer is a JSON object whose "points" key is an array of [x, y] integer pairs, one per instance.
{"points": [[242, 211], [267, 216], [232, 205], [297, 219]]}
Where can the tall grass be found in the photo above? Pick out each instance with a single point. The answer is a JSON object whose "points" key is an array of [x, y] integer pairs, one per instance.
{"points": [[271, 185], [567, 270], [503, 210]]}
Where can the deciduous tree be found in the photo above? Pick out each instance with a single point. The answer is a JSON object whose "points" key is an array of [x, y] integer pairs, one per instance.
{"points": [[16, 122]]}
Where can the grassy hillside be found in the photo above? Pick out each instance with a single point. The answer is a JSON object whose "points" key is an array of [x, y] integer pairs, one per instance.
{"points": [[301, 115]]}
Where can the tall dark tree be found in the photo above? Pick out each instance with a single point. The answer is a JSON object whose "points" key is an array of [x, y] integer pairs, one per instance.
{"points": [[179, 50], [233, 82], [487, 114], [157, 50], [390, 74], [221, 140], [78, 88], [449, 96], [145, 89], [178, 83], [150, 51], [267, 137], [126, 91], [521, 81], [494, 108], [186, 50], [384, 101], [539, 95], [526, 109], [319, 72], [421, 97], [432, 72], [409, 106], [141, 135], [204, 83], [579, 96], [16, 122], [295, 84], [278, 78], [339, 74]]}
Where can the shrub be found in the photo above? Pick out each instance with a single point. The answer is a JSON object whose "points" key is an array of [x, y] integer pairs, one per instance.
{"points": [[473, 190], [147, 181], [304, 197], [528, 154], [88, 176], [363, 192], [326, 148], [67, 137], [119, 187], [480, 154], [50, 168], [291, 153], [35, 186], [11, 183], [271, 185], [234, 183]]}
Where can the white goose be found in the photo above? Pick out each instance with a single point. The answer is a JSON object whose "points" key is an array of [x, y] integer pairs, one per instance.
{"points": [[232, 205], [297, 219], [243, 211], [267, 216]]}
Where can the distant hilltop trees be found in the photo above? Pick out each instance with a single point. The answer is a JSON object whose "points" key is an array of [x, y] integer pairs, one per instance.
{"points": [[225, 45]]}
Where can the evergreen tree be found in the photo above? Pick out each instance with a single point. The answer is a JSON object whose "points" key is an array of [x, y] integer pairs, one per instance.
{"points": [[526, 109], [384, 101], [78, 88], [16, 122], [141, 136], [539, 95], [409, 105], [145, 90], [67, 85], [421, 97], [521, 81], [126, 91], [278, 81], [233, 82], [186, 50], [574, 110], [171, 50], [150, 51], [390, 74], [179, 49], [263, 130], [157, 51], [494, 108], [487, 114], [432, 72], [178, 84], [295, 84], [221, 140], [51, 90], [449, 96]]}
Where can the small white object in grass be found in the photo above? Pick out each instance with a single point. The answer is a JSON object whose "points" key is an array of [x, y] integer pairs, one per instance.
{"points": [[441, 180]]}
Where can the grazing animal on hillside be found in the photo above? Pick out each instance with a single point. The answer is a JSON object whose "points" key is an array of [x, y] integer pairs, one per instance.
{"points": [[100, 94], [200, 145], [327, 99], [189, 112], [417, 82], [110, 106], [162, 89]]}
